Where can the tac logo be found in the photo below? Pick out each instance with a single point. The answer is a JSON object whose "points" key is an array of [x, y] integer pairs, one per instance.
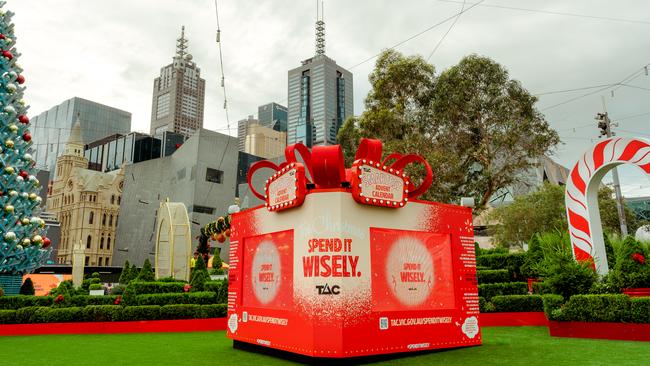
{"points": [[327, 290]]}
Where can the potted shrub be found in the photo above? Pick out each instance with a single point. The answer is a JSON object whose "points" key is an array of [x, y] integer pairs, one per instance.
{"points": [[217, 272], [96, 289]]}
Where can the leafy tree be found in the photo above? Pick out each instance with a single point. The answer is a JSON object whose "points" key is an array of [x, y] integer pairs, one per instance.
{"points": [[473, 124], [146, 273], [632, 267], [609, 213], [199, 275], [544, 211], [537, 212], [27, 288]]}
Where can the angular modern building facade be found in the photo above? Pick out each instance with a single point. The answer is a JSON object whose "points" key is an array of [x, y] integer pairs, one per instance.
{"points": [[178, 95], [320, 99], [273, 115], [51, 129], [202, 174]]}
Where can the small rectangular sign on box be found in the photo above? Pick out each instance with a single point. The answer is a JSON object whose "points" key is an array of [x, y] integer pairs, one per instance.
{"points": [[286, 188], [378, 185]]}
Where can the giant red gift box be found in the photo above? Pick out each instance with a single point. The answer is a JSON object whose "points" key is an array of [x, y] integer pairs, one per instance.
{"points": [[351, 264]]}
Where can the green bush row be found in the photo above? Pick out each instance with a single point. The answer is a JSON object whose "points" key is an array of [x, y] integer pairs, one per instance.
{"points": [[511, 303], [598, 308], [17, 302], [493, 275], [199, 298], [94, 313], [489, 290], [509, 261], [138, 288]]}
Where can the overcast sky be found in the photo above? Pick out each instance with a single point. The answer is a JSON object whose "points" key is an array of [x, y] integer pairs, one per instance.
{"points": [[110, 52]]}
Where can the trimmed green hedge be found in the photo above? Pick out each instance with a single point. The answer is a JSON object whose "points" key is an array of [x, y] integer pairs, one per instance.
{"points": [[22, 301], [509, 261], [597, 308], [137, 288], [640, 309], [613, 308], [493, 276], [517, 303], [488, 290], [146, 312], [84, 300], [107, 313], [552, 304], [200, 298]]}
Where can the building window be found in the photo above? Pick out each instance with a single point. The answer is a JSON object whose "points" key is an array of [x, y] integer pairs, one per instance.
{"points": [[86, 261], [112, 199], [91, 217], [110, 221], [108, 243], [119, 200], [88, 241], [163, 104], [99, 263], [116, 216], [107, 261], [214, 175], [203, 209], [101, 243], [104, 220]]}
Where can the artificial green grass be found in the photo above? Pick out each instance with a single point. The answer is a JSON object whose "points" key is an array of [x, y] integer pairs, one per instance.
{"points": [[501, 346]]}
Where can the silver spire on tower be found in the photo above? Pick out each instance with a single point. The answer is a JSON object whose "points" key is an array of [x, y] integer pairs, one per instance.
{"points": [[320, 28], [181, 44]]}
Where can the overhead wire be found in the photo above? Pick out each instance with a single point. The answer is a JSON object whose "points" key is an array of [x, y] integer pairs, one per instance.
{"points": [[550, 12], [448, 30]]}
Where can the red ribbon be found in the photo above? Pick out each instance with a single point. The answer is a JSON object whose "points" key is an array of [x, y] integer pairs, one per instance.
{"points": [[326, 165]]}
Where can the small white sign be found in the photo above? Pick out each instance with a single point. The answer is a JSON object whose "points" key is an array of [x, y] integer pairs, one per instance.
{"points": [[283, 189], [470, 327], [232, 323], [380, 185]]}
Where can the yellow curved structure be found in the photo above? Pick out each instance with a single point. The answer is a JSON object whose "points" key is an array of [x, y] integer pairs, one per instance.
{"points": [[173, 241]]}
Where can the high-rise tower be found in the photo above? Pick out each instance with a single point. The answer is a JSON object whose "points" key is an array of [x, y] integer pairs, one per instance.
{"points": [[178, 94], [320, 95]]}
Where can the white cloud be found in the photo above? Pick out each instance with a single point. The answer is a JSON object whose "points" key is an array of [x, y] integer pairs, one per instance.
{"points": [[110, 52]]}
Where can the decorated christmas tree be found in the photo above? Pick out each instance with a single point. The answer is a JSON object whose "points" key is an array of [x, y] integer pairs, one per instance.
{"points": [[23, 246]]}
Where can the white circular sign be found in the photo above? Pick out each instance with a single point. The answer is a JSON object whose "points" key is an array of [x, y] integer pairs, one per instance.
{"points": [[409, 271], [266, 272]]}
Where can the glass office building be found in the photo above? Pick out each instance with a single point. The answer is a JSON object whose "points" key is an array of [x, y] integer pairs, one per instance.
{"points": [[112, 152], [51, 129], [320, 99], [273, 115]]}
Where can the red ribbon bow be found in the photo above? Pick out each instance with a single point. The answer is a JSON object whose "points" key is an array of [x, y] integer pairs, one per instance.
{"points": [[326, 165]]}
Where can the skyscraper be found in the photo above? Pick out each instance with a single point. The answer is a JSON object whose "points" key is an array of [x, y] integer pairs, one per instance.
{"points": [[320, 97], [273, 115], [51, 128], [178, 94]]}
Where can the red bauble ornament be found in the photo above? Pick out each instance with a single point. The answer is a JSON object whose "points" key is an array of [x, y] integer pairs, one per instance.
{"points": [[23, 119], [221, 238], [227, 233], [2, 36], [178, 145], [46, 242], [7, 54], [20, 79], [24, 174], [27, 137]]}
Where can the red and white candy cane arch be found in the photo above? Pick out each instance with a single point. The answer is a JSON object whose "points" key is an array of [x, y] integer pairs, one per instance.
{"points": [[581, 195]]}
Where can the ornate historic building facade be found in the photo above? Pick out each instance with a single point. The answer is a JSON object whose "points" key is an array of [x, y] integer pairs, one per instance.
{"points": [[86, 203]]}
